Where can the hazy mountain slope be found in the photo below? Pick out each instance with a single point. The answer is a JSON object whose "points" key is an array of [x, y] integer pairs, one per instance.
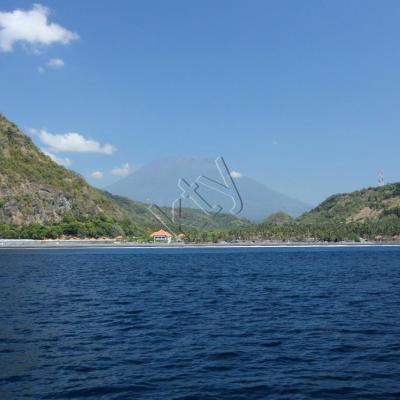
{"points": [[157, 182], [190, 218], [371, 204]]}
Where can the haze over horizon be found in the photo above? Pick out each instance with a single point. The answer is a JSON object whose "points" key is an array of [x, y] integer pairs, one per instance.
{"points": [[302, 97]]}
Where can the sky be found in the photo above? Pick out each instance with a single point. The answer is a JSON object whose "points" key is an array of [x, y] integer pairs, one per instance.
{"points": [[302, 96]]}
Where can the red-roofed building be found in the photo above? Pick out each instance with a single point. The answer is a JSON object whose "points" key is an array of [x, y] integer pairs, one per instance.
{"points": [[161, 236]]}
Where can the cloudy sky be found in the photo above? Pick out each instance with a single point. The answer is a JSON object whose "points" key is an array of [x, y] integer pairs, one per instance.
{"points": [[302, 96]]}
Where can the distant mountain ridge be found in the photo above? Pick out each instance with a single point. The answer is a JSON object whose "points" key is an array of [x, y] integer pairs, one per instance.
{"points": [[156, 182]]}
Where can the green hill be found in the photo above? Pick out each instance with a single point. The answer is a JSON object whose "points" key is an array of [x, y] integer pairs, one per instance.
{"points": [[39, 198], [278, 218], [366, 205], [371, 214], [367, 214], [34, 189]]}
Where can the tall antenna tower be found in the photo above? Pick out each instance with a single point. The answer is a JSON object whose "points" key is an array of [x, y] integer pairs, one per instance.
{"points": [[381, 178]]}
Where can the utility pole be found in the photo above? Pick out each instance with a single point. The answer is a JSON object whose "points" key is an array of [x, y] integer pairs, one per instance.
{"points": [[381, 178]]}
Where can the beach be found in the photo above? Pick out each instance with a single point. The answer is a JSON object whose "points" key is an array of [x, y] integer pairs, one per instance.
{"points": [[70, 244]]}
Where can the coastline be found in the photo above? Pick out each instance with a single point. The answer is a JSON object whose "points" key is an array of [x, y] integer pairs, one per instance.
{"points": [[15, 244]]}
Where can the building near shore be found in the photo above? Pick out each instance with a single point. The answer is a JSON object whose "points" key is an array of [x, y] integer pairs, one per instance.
{"points": [[161, 236]]}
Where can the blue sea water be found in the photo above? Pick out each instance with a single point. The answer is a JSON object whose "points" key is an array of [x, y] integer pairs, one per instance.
{"points": [[275, 323]]}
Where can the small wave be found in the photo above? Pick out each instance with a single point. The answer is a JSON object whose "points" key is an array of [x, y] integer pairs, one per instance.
{"points": [[225, 355], [99, 391]]}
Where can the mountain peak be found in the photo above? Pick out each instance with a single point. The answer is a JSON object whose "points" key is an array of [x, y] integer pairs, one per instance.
{"points": [[9, 133], [157, 182]]}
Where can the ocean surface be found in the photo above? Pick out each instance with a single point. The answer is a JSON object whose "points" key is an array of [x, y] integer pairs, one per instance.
{"points": [[236, 323]]}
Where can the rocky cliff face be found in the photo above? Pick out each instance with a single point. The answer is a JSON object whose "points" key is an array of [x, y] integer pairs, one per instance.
{"points": [[34, 189]]}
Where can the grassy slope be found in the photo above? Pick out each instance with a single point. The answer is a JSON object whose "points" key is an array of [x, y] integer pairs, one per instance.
{"points": [[33, 188], [371, 204]]}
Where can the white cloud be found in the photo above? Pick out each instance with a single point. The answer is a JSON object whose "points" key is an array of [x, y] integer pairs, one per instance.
{"points": [[73, 142], [55, 63], [236, 174], [97, 175], [66, 162], [31, 27], [123, 170]]}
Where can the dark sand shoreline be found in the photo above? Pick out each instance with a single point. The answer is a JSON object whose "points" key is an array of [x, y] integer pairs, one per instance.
{"points": [[89, 244]]}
